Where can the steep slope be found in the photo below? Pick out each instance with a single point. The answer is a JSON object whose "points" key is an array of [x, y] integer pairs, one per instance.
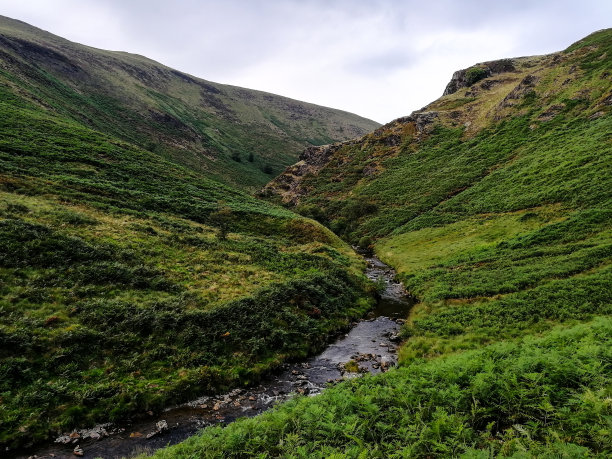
{"points": [[495, 197], [129, 282], [235, 135], [494, 205]]}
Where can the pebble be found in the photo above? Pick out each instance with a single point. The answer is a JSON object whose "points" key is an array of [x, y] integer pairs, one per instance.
{"points": [[78, 451], [161, 425]]}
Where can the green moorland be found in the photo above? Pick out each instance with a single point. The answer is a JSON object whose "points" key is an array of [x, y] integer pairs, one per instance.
{"points": [[536, 397], [235, 135], [128, 282], [497, 214]]}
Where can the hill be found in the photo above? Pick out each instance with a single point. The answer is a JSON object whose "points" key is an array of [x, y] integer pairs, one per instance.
{"points": [[238, 136], [494, 205], [130, 280]]}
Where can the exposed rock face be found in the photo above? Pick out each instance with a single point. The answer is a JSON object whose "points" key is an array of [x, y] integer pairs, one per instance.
{"points": [[527, 84], [289, 185], [460, 78], [311, 161]]}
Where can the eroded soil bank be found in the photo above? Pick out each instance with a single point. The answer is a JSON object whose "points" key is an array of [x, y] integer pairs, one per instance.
{"points": [[369, 347]]}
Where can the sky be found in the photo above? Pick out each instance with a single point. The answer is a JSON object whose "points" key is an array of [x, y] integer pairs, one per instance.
{"points": [[381, 59]]}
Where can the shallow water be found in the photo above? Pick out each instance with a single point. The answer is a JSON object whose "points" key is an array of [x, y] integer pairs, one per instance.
{"points": [[371, 343]]}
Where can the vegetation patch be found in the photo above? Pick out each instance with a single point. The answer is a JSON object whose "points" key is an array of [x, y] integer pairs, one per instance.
{"points": [[530, 397], [129, 283], [496, 214]]}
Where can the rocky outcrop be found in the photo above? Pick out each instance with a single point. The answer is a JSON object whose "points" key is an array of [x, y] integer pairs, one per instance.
{"points": [[525, 86], [467, 77], [289, 185], [311, 161]]}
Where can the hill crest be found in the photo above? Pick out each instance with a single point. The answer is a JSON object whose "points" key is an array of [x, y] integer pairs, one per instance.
{"points": [[235, 135]]}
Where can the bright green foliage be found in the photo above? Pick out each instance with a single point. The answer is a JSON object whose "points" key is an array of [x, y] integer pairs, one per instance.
{"points": [[538, 397], [118, 294], [554, 148], [131, 282], [500, 231], [497, 215]]}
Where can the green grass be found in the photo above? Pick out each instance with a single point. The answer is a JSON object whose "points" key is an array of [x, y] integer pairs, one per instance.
{"points": [[132, 280], [499, 219], [129, 282], [130, 276], [208, 127], [538, 397]]}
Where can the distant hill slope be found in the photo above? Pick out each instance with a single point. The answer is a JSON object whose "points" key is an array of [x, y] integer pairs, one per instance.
{"points": [[506, 136], [235, 135]]}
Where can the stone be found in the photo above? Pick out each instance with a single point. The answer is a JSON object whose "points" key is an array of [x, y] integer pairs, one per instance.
{"points": [[78, 451], [161, 425]]}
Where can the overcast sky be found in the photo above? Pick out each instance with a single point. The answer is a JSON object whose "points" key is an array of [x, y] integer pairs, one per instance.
{"points": [[381, 59]]}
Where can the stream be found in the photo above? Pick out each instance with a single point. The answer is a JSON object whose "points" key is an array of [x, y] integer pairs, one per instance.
{"points": [[371, 344]]}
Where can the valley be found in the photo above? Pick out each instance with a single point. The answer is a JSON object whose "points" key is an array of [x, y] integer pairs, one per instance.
{"points": [[167, 265], [369, 346]]}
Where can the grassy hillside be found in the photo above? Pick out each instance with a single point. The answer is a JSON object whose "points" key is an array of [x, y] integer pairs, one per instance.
{"points": [[494, 205], [128, 282], [239, 136], [537, 397]]}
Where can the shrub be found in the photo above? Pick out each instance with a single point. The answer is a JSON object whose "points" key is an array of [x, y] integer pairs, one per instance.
{"points": [[475, 74]]}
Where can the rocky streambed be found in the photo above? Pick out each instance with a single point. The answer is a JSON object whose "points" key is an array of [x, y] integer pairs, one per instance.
{"points": [[368, 347]]}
